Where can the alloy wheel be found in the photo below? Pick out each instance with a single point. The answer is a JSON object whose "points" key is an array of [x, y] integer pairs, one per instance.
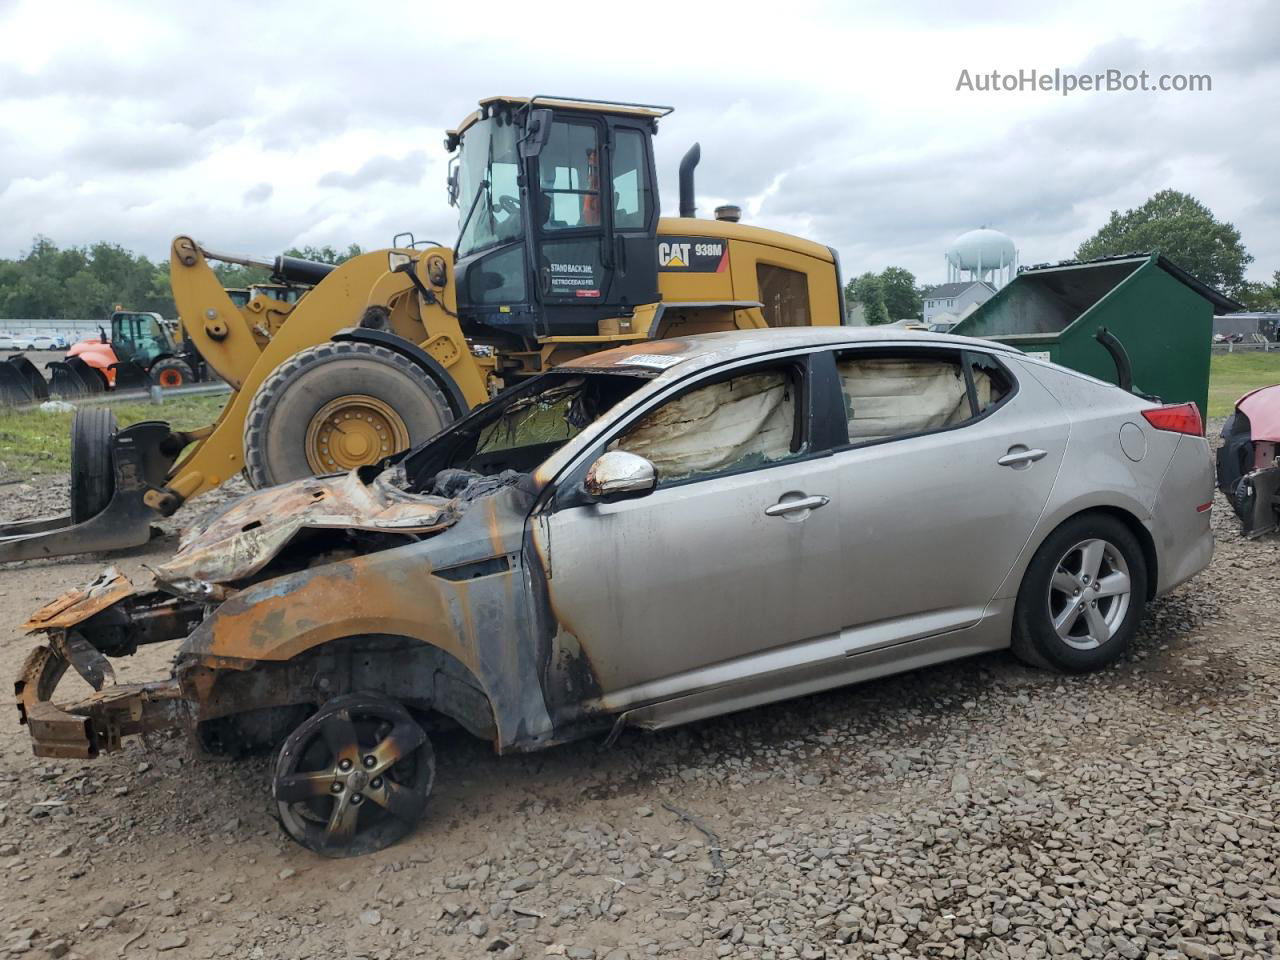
{"points": [[1089, 594]]}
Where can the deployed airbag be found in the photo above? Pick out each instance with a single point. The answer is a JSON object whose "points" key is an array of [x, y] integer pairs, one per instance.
{"points": [[717, 427], [889, 397]]}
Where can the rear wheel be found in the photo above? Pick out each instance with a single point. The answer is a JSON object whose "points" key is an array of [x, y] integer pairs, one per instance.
{"points": [[172, 372], [354, 777], [1082, 596], [92, 478], [336, 406]]}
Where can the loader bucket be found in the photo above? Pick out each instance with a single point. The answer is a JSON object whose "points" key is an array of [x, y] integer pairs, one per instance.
{"points": [[64, 381], [94, 380], [14, 389], [39, 389], [140, 460], [131, 375]]}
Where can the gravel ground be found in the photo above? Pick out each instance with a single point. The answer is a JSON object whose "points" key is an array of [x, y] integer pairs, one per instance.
{"points": [[977, 809]]}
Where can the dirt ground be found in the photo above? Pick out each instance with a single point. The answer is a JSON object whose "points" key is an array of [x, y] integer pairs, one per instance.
{"points": [[977, 809]]}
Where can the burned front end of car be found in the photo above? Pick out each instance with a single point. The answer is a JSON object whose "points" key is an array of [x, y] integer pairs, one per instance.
{"points": [[416, 582], [300, 594]]}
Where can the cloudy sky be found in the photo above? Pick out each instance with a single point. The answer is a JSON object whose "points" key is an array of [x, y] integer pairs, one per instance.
{"points": [[259, 126]]}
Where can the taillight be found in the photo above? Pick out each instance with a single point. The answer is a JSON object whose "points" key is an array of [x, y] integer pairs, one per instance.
{"points": [[1176, 418]]}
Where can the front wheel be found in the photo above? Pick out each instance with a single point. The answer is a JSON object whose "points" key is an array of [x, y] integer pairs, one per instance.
{"points": [[354, 777], [1082, 596], [172, 372]]}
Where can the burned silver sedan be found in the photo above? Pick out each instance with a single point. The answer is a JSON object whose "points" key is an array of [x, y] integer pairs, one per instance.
{"points": [[646, 536]]}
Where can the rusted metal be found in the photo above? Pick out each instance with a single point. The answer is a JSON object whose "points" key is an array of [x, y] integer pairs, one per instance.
{"points": [[74, 606], [96, 724], [240, 541]]}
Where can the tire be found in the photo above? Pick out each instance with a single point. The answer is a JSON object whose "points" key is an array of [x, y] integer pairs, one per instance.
{"points": [[287, 416], [171, 372], [311, 786], [1097, 634], [92, 479]]}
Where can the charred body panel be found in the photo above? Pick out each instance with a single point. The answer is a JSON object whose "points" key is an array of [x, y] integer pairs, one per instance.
{"points": [[458, 623]]}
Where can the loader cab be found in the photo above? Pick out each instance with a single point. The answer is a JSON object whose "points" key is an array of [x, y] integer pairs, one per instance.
{"points": [[140, 337], [558, 214]]}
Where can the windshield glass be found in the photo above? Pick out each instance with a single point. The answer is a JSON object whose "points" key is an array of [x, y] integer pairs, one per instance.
{"points": [[522, 427], [488, 155]]}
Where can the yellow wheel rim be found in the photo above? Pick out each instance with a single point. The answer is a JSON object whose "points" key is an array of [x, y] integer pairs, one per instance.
{"points": [[353, 431]]}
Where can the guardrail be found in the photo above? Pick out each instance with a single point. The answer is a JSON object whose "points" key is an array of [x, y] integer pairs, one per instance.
{"points": [[1246, 347]]}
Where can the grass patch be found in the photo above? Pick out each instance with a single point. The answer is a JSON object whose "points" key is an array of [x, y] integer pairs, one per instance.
{"points": [[1233, 374], [33, 442]]}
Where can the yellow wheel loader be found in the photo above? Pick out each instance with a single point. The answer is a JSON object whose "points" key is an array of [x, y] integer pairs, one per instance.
{"points": [[560, 252]]}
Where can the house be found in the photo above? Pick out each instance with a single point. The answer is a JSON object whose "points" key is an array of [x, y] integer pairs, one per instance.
{"points": [[955, 298]]}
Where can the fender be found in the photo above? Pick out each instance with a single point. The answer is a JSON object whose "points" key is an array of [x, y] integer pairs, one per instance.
{"points": [[484, 622], [385, 338]]}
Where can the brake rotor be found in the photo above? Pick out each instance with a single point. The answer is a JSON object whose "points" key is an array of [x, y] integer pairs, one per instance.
{"points": [[354, 777], [353, 431]]}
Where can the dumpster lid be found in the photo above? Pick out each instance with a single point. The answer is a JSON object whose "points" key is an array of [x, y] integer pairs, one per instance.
{"points": [[1221, 302]]}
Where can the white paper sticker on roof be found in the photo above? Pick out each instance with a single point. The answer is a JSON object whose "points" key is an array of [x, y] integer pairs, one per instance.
{"points": [[657, 361]]}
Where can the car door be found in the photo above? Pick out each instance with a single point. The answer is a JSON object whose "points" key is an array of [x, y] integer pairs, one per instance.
{"points": [[691, 585], [940, 486]]}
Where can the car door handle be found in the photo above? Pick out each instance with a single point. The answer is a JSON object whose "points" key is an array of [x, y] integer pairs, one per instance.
{"points": [[783, 507], [1017, 457]]}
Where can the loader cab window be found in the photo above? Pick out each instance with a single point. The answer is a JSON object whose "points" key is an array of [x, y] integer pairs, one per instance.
{"points": [[137, 336], [632, 196], [569, 178], [488, 181]]}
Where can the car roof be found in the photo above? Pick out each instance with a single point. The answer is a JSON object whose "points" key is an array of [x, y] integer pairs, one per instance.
{"points": [[680, 356]]}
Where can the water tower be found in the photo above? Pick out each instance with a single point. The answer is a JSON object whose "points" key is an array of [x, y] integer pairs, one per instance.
{"points": [[982, 254]]}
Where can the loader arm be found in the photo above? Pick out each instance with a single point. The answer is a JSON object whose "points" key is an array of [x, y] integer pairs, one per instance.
{"points": [[336, 304], [214, 324]]}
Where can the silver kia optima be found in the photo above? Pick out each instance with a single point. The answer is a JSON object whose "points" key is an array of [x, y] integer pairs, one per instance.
{"points": [[646, 536]]}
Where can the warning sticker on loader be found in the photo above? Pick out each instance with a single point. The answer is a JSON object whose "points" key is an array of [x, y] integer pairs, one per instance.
{"points": [[693, 255]]}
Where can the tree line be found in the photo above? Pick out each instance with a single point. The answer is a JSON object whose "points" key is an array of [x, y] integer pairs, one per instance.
{"points": [[89, 282], [1175, 224]]}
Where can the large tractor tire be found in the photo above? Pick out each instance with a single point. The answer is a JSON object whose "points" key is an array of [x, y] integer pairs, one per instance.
{"points": [[92, 477], [171, 372], [336, 406]]}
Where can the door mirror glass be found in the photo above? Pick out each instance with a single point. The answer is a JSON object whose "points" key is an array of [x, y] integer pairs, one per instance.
{"points": [[619, 475]]}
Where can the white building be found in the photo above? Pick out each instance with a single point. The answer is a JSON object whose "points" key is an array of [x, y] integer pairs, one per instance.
{"points": [[950, 302]]}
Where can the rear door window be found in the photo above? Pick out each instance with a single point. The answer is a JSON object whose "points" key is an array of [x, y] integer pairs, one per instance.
{"points": [[904, 392], [901, 393]]}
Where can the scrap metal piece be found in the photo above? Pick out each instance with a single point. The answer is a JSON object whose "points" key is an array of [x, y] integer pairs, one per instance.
{"points": [[76, 606], [93, 667], [240, 541], [1258, 502], [96, 724]]}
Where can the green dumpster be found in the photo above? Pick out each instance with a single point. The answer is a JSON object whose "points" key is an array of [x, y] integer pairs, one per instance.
{"points": [[1162, 316]]}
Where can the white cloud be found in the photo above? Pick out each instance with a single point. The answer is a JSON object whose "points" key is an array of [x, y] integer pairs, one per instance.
{"points": [[259, 127]]}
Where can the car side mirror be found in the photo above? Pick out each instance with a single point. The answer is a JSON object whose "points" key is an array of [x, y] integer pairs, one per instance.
{"points": [[618, 475]]}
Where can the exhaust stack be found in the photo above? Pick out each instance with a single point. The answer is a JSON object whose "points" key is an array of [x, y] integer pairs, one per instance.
{"points": [[690, 160]]}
